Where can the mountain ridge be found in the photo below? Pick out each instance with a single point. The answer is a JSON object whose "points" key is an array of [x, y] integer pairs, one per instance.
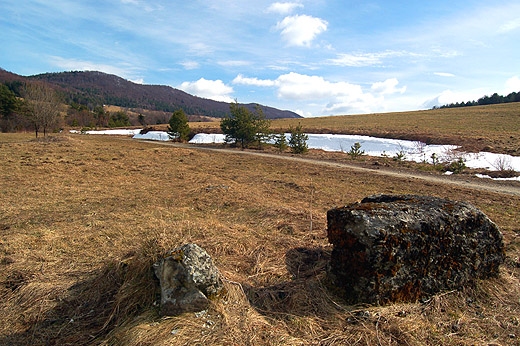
{"points": [[93, 88]]}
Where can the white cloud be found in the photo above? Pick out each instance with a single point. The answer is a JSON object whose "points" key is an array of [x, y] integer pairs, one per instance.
{"points": [[240, 79], [512, 85], [355, 104], [301, 30], [444, 74], [387, 87], [210, 89], [283, 7], [328, 96], [296, 86]]}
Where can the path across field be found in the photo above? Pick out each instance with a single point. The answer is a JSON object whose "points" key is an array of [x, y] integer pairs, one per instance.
{"points": [[476, 184]]}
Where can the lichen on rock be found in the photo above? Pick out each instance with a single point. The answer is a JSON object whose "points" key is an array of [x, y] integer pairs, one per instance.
{"points": [[390, 248], [188, 278]]}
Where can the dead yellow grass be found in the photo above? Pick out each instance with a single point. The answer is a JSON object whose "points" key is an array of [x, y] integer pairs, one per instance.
{"points": [[83, 218]]}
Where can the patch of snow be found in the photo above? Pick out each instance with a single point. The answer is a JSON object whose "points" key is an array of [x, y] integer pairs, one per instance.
{"points": [[208, 138], [485, 176], [121, 132], [413, 151], [153, 135]]}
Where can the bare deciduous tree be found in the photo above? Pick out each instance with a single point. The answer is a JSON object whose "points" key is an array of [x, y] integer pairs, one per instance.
{"points": [[43, 106]]}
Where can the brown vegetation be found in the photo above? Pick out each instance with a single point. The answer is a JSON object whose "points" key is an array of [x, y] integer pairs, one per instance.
{"points": [[493, 128], [83, 218]]}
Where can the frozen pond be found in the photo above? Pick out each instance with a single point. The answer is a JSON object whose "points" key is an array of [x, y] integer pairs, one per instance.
{"points": [[412, 151], [373, 146]]}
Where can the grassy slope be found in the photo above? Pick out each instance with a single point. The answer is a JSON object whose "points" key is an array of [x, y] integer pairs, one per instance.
{"points": [[493, 128], [83, 218]]}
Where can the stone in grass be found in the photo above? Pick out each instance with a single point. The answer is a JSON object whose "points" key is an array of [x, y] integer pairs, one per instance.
{"points": [[188, 278], [390, 248]]}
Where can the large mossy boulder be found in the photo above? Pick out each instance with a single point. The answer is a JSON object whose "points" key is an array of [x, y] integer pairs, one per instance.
{"points": [[390, 248]]}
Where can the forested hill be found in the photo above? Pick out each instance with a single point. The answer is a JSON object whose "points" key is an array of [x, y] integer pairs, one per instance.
{"points": [[92, 88]]}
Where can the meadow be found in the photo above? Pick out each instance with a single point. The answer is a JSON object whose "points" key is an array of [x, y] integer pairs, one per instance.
{"points": [[83, 218]]}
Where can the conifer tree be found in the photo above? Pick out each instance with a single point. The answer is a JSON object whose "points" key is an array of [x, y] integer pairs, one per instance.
{"points": [[178, 127], [298, 140]]}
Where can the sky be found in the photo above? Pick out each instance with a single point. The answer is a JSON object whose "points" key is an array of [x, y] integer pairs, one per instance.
{"points": [[316, 58]]}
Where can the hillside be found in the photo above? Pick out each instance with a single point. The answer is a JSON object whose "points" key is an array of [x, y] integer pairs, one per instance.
{"points": [[93, 88]]}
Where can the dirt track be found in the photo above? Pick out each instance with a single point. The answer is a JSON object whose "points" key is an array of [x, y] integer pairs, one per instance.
{"points": [[474, 183]]}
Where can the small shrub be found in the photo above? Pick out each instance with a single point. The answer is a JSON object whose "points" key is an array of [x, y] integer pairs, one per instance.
{"points": [[457, 166], [503, 164], [400, 156], [355, 151]]}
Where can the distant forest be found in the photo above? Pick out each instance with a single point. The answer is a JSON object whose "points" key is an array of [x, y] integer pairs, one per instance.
{"points": [[82, 96], [485, 100]]}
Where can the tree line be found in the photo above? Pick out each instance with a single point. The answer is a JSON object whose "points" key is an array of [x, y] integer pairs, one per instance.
{"points": [[485, 100], [37, 107]]}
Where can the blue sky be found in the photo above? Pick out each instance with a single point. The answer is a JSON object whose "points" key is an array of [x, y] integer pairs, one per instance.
{"points": [[320, 57]]}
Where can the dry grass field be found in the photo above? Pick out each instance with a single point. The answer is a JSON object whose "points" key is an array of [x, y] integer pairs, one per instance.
{"points": [[82, 219]]}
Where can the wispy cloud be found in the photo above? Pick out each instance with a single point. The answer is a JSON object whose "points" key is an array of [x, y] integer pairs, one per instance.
{"points": [[510, 26], [190, 65], [234, 63], [301, 30], [125, 71], [444, 74], [356, 60], [200, 49], [367, 59]]}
